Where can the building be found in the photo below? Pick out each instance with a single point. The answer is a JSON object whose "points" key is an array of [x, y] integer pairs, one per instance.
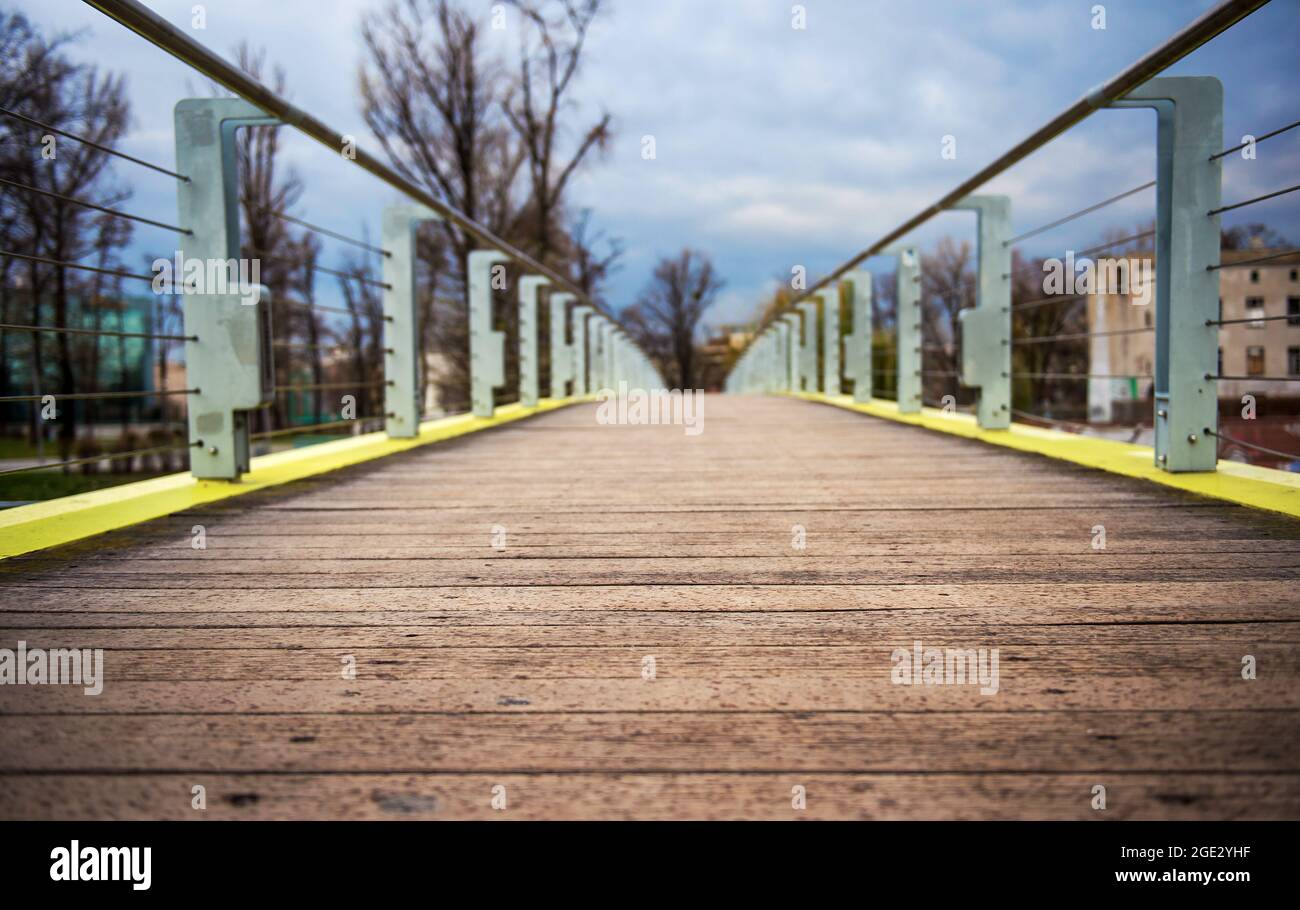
{"points": [[1264, 352], [122, 361], [719, 351]]}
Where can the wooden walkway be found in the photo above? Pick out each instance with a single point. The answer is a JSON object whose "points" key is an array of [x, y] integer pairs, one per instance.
{"points": [[523, 667]]}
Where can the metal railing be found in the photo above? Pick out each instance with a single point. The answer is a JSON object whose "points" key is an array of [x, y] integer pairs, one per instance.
{"points": [[229, 345], [784, 350]]}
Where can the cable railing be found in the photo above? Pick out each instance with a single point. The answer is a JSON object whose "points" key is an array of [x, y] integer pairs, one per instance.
{"points": [[1134, 349], [252, 380], [32, 121]]}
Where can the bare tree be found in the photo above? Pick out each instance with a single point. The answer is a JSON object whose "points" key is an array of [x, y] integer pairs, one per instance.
{"points": [[666, 317], [267, 189], [432, 96], [451, 119], [593, 256], [365, 338], [38, 80], [550, 51], [947, 288], [1254, 236]]}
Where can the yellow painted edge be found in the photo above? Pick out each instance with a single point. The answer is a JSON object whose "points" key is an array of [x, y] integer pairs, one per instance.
{"points": [[1247, 485], [25, 529]]}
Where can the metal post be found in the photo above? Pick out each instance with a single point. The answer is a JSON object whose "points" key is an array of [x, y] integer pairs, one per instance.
{"points": [[908, 319], [607, 354], [794, 350], [561, 353], [857, 344], [402, 366], [598, 328], [808, 346], [618, 357], [530, 288], [830, 298], [771, 359], [986, 329], [230, 364], [487, 346], [1189, 131], [581, 313], [780, 356]]}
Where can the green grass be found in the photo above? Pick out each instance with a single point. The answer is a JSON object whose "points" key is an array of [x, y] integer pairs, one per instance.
{"points": [[18, 447]]}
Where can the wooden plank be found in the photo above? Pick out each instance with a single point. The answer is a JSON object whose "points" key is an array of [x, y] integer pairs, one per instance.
{"points": [[689, 688], [877, 634], [615, 796], [719, 660], [791, 570], [478, 666], [1063, 601], [694, 742]]}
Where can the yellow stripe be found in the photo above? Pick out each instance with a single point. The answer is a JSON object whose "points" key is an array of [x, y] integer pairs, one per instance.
{"points": [[1247, 485], [24, 529]]}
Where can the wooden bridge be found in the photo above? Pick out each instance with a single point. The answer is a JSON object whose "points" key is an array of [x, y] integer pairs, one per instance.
{"points": [[563, 619]]}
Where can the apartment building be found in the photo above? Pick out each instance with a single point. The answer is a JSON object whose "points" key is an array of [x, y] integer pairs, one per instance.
{"points": [[1261, 354]]}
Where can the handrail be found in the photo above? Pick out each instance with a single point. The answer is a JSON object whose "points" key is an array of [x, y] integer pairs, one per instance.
{"points": [[161, 33], [1212, 23]]}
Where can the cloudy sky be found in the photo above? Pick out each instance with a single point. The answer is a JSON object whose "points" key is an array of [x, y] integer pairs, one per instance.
{"points": [[775, 146]]}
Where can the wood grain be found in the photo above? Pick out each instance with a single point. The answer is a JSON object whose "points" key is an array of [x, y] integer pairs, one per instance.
{"points": [[522, 666]]}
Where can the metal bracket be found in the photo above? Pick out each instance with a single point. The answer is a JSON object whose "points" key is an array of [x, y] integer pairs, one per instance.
{"points": [[530, 287], [402, 366], [598, 327], [773, 357], [908, 319], [1189, 131], [487, 346], [986, 329], [793, 350], [857, 344], [808, 346], [618, 356], [581, 314], [561, 353], [230, 364], [830, 298]]}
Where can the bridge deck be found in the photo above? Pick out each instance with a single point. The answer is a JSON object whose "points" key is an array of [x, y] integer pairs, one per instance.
{"points": [[523, 667]]}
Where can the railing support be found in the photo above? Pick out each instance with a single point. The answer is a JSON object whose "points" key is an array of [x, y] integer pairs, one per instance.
{"points": [[986, 329], [808, 347], [908, 319], [530, 288], [618, 359], [794, 350], [772, 359], [487, 346], [857, 344], [402, 366], [1189, 131], [830, 298], [598, 327], [561, 352], [581, 315], [230, 364]]}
